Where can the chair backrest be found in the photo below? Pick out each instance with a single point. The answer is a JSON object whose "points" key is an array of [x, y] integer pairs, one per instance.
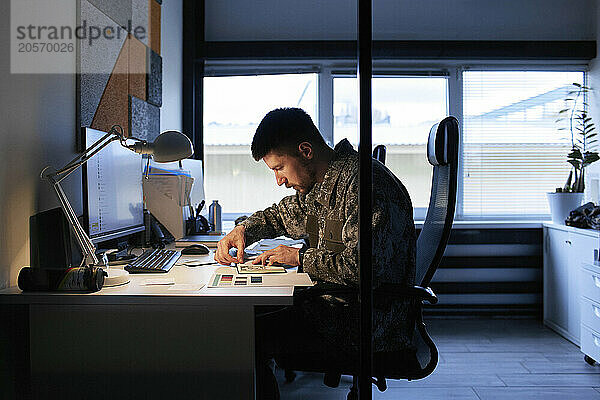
{"points": [[442, 153], [379, 153]]}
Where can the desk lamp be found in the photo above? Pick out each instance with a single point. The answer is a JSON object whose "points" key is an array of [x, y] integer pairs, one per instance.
{"points": [[169, 146]]}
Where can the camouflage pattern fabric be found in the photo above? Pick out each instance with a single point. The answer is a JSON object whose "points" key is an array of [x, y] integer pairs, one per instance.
{"points": [[328, 217]]}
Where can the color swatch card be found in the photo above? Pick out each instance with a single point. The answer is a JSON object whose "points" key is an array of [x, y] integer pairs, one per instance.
{"points": [[228, 280], [228, 277]]}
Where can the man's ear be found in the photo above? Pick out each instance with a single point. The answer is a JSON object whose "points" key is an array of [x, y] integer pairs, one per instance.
{"points": [[306, 150]]}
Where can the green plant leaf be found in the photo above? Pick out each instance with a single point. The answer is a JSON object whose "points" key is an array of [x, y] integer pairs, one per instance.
{"points": [[590, 157], [568, 183], [575, 163], [575, 153]]}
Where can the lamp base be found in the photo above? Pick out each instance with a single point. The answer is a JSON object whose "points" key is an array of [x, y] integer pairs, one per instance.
{"points": [[116, 277]]}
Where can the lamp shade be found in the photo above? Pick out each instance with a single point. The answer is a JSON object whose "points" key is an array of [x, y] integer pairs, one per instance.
{"points": [[171, 146]]}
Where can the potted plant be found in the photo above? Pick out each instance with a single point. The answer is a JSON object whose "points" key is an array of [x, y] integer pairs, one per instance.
{"points": [[582, 154]]}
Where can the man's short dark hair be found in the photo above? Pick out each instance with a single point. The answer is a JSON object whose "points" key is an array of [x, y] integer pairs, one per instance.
{"points": [[282, 130]]}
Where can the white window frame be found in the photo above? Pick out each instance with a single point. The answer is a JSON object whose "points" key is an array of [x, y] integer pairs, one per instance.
{"points": [[327, 70]]}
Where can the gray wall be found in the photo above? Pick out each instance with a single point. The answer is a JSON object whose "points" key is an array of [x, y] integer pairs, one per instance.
{"points": [[38, 129], [402, 20], [171, 50]]}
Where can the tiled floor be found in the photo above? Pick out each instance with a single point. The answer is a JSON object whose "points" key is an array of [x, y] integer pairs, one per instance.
{"points": [[482, 359]]}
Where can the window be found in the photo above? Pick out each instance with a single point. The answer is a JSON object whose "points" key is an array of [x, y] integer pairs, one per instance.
{"points": [[404, 109], [513, 152], [233, 108]]}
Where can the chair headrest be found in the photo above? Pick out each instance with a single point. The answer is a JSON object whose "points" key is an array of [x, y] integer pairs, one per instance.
{"points": [[442, 144]]}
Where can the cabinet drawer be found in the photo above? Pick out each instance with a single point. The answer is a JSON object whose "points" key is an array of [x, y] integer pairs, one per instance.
{"points": [[589, 284], [590, 314], [590, 342]]}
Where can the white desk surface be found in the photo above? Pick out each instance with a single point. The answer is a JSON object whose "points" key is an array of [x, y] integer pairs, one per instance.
{"points": [[136, 293]]}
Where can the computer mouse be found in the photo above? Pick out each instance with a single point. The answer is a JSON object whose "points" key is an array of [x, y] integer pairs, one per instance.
{"points": [[195, 249]]}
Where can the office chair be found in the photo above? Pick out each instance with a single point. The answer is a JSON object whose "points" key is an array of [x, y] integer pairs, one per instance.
{"points": [[379, 153], [442, 153]]}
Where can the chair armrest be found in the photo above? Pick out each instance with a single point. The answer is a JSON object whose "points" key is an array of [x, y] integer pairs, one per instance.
{"points": [[326, 288], [387, 291], [393, 290]]}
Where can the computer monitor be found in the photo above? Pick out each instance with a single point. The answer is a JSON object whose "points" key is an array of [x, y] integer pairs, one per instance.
{"points": [[113, 199]]}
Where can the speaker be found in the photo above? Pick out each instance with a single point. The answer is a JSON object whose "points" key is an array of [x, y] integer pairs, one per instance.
{"points": [[52, 244]]}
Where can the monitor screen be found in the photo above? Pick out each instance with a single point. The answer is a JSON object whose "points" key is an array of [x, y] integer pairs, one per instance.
{"points": [[112, 187]]}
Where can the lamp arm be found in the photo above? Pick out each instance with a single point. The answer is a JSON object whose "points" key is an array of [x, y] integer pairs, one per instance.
{"points": [[171, 146], [55, 177], [85, 156], [84, 241]]}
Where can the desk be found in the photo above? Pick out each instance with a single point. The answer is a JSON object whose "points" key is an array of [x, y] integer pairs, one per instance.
{"points": [[138, 341]]}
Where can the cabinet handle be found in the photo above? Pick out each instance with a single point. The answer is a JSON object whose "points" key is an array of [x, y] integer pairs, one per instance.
{"points": [[596, 340], [596, 281], [596, 311], [567, 241]]}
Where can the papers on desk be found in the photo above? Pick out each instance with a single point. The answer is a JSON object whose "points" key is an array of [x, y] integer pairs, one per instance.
{"points": [[167, 193], [228, 277], [158, 281], [186, 287], [175, 184], [263, 245]]}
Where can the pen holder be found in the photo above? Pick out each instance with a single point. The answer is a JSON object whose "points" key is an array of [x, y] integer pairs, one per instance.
{"points": [[196, 225]]}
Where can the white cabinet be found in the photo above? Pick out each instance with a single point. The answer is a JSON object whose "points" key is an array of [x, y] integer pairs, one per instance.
{"points": [[556, 281], [590, 311], [565, 250]]}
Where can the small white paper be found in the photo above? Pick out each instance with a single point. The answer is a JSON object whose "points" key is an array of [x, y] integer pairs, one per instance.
{"points": [[158, 281], [188, 287]]}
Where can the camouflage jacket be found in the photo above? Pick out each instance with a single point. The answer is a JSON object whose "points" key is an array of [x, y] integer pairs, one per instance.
{"points": [[328, 217]]}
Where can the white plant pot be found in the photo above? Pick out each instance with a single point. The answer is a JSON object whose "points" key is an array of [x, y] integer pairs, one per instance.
{"points": [[561, 204]]}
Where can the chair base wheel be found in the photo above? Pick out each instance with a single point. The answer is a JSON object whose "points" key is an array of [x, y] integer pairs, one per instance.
{"points": [[589, 360]]}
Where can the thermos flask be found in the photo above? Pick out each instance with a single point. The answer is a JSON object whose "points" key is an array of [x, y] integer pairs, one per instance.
{"points": [[214, 216]]}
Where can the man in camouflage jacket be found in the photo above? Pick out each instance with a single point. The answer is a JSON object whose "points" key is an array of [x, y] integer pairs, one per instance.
{"points": [[325, 211]]}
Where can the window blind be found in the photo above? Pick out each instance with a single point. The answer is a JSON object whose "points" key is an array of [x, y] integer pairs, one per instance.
{"points": [[513, 152]]}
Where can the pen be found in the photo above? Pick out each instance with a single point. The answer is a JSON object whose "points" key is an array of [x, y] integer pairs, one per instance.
{"points": [[191, 264], [199, 208]]}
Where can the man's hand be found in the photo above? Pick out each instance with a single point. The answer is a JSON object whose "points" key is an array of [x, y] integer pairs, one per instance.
{"points": [[236, 238], [280, 254]]}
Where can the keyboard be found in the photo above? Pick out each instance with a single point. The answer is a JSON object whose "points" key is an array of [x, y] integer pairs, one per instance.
{"points": [[153, 260]]}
